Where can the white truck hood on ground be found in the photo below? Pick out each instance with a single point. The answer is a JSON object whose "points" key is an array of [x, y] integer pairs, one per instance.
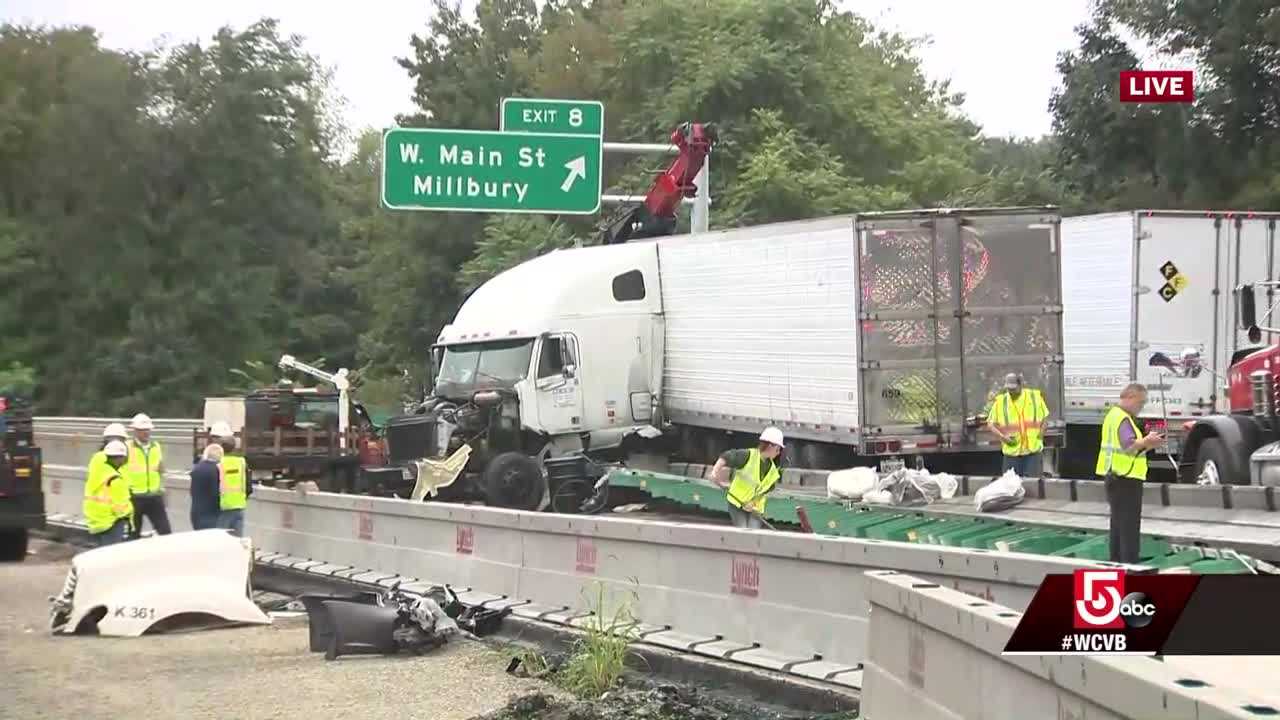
{"points": [[200, 576]]}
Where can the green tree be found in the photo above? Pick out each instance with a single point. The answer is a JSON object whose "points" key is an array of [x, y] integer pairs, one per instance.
{"points": [[163, 214], [1219, 152], [882, 136], [1111, 152], [17, 379], [510, 240]]}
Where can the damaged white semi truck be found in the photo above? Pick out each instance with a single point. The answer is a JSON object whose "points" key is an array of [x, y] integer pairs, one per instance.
{"points": [[865, 338]]}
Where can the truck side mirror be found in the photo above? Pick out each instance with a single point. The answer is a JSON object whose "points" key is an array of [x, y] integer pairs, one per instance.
{"points": [[569, 370], [1246, 307]]}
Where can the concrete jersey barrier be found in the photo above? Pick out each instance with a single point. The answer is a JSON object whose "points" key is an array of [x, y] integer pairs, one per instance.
{"points": [[782, 601], [935, 654], [69, 440]]}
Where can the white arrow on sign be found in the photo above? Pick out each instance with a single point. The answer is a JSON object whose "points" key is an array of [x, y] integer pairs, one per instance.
{"points": [[577, 168]]}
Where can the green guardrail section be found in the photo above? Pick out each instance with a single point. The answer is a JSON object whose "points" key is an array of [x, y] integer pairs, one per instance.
{"points": [[877, 522]]}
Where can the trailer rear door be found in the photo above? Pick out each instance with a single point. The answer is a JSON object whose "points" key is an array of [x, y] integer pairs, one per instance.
{"points": [[951, 302], [1180, 271]]}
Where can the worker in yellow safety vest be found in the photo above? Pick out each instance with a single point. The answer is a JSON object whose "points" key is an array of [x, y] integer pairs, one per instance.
{"points": [[1017, 417], [113, 431], [234, 487], [145, 472], [1122, 464], [755, 474], [107, 507]]}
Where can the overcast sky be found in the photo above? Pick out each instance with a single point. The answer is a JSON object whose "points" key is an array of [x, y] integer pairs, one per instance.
{"points": [[999, 53]]}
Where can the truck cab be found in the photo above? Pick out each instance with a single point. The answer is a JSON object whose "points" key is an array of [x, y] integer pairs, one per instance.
{"points": [[557, 356], [21, 494], [575, 336]]}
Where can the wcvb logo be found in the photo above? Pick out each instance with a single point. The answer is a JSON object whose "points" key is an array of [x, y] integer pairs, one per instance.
{"points": [[1101, 603], [1157, 86]]}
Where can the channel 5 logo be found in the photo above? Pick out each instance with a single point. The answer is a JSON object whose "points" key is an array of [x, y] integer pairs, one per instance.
{"points": [[1101, 602]]}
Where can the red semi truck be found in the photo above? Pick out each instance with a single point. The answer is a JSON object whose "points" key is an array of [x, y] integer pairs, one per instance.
{"points": [[1242, 446]]}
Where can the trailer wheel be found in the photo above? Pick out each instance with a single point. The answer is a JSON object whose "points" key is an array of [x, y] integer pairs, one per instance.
{"points": [[815, 456], [514, 480], [13, 545], [1212, 464]]}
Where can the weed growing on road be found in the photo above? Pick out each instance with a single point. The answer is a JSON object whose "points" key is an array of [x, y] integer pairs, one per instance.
{"points": [[598, 659], [532, 663]]}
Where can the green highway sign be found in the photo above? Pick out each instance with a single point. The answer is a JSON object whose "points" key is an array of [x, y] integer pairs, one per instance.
{"points": [[486, 171], [569, 117]]}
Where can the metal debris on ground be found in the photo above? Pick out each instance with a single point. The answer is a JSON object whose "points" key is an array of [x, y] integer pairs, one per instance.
{"points": [[398, 622], [666, 702]]}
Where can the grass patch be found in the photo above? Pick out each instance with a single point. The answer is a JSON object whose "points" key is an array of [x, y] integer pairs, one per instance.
{"points": [[532, 663], [595, 666]]}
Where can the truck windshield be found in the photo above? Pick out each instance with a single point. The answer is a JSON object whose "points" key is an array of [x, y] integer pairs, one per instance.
{"points": [[468, 367]]}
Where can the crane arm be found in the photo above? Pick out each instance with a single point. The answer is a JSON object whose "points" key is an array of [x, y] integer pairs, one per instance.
{"points": [[338, 379], [656, 216]]}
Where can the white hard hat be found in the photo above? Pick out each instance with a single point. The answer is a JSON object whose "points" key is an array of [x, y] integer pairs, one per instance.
{"points": [[142, 422], [115, 448], [773, 436], [115, 430], [221, 429]]}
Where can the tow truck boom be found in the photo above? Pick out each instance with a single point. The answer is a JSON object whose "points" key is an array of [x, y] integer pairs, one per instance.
{"points": [[338, 380], [656, 216]]}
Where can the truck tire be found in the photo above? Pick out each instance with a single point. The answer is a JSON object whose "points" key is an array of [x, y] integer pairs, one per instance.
{"points": [[1212, 460], [13, 545], [514, 480]]}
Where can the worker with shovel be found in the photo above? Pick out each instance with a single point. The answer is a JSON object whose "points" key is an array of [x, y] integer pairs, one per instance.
{"points": [[755, 474]]}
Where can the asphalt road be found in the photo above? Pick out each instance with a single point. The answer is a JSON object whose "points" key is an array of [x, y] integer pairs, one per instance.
{"points": [[246, 673]]}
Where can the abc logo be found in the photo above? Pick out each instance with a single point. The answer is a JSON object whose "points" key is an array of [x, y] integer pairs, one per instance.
{"points": [[1137, 610]]}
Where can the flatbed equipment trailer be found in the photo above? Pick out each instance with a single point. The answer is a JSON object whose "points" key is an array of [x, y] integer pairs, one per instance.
{"points": [[937, 524]]}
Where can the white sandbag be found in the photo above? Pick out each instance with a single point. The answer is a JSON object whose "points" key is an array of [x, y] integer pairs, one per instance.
{"points": [[878, 497], [947, 484], [1002, 493], [851, 484], [908, 487]]}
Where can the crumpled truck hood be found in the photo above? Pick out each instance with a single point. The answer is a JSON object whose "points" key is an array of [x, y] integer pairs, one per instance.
{"points": [[132, 586]]}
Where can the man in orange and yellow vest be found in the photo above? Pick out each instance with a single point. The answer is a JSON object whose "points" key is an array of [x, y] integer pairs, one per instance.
{"points": [[233, 482], [107, 507], [1017, 417]]}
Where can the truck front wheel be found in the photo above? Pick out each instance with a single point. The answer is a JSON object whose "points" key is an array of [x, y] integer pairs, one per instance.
{"points": [[514, 480], [1212, 466]]}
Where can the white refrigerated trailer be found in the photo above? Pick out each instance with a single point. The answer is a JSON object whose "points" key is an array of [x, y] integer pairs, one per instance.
{"points": [[880, 335], [1147, 298]]}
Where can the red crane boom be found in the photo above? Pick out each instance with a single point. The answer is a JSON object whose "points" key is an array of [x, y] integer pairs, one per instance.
{"points": [[656, 216]]}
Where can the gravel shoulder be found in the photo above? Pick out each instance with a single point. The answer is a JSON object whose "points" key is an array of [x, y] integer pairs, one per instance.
{"points": [[247, 673]]}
